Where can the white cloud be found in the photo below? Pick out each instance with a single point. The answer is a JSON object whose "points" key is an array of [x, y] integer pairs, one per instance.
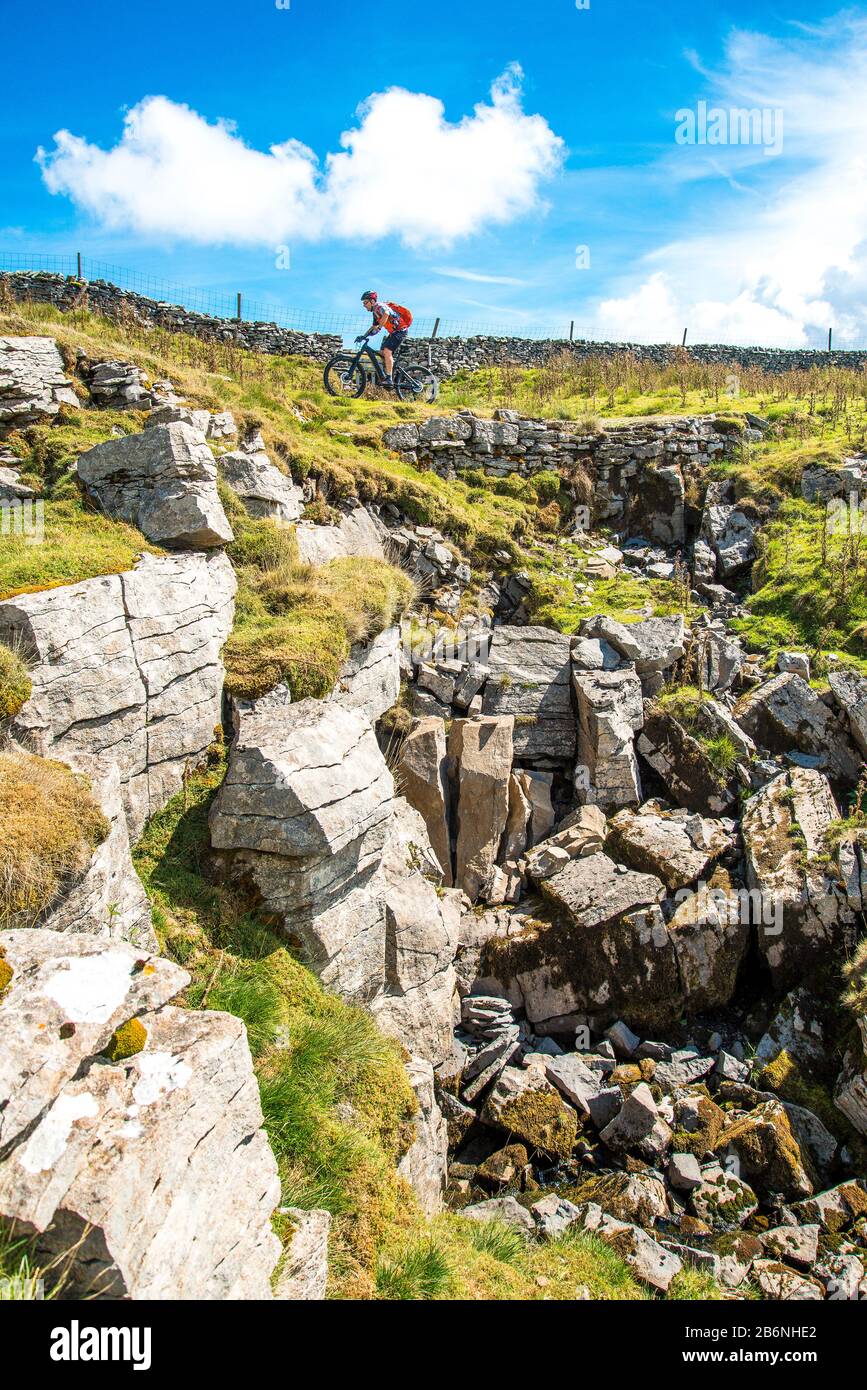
{"points": [[403, 169], [785, 261]]}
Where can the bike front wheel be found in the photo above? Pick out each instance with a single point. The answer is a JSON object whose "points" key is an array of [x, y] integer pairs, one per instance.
{"points": [[416, 383], [345, 376]]}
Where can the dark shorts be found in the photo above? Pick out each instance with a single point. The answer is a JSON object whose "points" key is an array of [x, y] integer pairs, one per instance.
{"points": [[394, 340]]}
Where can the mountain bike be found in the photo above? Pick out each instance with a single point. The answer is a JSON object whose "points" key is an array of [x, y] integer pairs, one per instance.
{"points": [[349, 374]]}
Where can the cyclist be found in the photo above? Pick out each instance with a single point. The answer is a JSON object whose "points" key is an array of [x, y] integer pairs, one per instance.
{"points": [[396, 320]]}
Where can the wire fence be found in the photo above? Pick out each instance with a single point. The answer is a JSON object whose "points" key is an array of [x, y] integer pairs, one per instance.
{"points": [[226, 306], [238, 306]]}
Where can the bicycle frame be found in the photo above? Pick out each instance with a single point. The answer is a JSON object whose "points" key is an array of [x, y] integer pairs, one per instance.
{"points": [[376, 358]]}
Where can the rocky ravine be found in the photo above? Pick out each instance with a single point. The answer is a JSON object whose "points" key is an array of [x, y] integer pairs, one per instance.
{"points": [[577, 918]]}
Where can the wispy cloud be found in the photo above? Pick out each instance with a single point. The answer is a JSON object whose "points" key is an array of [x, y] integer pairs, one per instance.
{"points": [[788, 263], [402, 170], [453, 273]]}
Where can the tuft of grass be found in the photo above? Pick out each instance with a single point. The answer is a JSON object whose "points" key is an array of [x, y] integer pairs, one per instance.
{"points": [[295, 622], [244, 989], [22, 1278], [421, 1272], [15, 684], [855, 976], [683, 703], [501, 1242], [721, 753], [51, 825]]}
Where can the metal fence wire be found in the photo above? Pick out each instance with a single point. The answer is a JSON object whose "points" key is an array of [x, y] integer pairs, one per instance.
{"points": [[221, 305]]}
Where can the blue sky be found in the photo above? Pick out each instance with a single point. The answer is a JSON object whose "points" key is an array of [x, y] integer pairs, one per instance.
{"points": [[474, 147]]}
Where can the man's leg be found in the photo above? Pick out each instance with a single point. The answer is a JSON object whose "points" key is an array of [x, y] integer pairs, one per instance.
{"points": [[388, 361]]}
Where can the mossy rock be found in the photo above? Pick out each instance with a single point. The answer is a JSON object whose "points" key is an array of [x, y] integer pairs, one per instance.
{"points": [[6, 972], [541, 1119], [704, 1139], [769, 1153], [126, 1040]]}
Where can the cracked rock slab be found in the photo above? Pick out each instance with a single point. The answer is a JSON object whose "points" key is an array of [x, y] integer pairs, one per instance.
{"points": [[175, 1128], [126, 669]]}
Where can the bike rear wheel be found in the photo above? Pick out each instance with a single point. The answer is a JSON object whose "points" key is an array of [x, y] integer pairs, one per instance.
{"points": [[345, 376], [416, 383]]}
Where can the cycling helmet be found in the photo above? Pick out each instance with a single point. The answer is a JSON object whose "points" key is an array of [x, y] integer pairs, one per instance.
{"points": [[369, 294]]}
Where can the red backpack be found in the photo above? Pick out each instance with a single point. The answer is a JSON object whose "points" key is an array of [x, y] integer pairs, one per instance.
{"points": [[404, 317]]}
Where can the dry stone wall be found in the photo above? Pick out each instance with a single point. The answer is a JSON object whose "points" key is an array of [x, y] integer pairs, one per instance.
{"points": [[636, 474], [447, 355]]}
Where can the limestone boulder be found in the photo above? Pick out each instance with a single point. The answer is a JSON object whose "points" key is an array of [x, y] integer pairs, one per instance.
{"points": [[483, 750], [580, 833], [680, 758], [649, 1261], [731, 533], [677, 846], [767, 1151], [173, 1123], [603, 951], [652, 646], [710, 934], [723, 1200], [263, 489], [524, 1104], [425, 1163], [308, 815], [358, 534], [850, 692], [164, 481], [720, 660], [304, 1271], [786, 714], [801, 912], [850, 1092], [530, 671], [118, 385], [779, 1283], [424, 782], [126, 669], [609, 714], [369, 680], [33, 383], [108, 899]]}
